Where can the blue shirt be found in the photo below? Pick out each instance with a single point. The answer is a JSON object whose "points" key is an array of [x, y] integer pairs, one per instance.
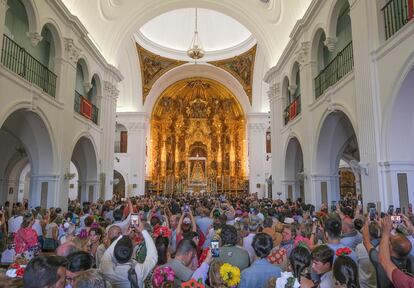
{"points": [[352, 239], [258, 274], [204, 223]]}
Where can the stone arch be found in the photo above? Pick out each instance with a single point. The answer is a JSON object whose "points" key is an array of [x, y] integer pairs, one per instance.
{"points": [[199, 70], [54, 29], [84, 64], [25, 135], [294, 169], [142, 16], [334, 13], [399, 119], [285, 90], [84, 157], [336, 140], [32, 16]]}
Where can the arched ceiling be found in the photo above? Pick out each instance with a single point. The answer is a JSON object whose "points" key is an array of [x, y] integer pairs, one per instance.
{"points": [[270, 23]]}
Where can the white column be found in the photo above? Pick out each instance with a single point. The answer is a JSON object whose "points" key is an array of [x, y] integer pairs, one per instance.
{"points": [[107, 122], [275, 104], [137, 132], [389, 173], [4, 185], [366, 101], [3, 10], [332, 189], [66, 71], [257, 124], [45, 186], [85, 186]]}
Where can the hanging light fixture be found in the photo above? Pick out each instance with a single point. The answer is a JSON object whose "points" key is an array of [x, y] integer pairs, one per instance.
{"points": [[196, 49]]}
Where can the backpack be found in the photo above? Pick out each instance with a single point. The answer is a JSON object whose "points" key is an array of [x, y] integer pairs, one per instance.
{"points": [[132, 276]]}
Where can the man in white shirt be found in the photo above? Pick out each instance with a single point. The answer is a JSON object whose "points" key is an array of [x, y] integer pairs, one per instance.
{"points": [[117, 260], [14, 223]]}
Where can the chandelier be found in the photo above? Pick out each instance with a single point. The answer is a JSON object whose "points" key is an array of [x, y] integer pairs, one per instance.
{"points": [[195, 51]]}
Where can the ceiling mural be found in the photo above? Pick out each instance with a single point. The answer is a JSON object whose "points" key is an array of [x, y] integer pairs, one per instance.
{"points": [[152, 68], [241, 67]]}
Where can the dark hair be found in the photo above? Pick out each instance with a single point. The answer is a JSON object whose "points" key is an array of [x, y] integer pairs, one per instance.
{"points": [[118, 214], [42, 271], [262, 244], [299, 259], [123, 250], [346, 271], [228, 235], [27, 218], [97, 230], [268, 222], [333, 227], [79, 261], [88, 221], [323, 253], [185, 246], [154, 221], [161, 243]]}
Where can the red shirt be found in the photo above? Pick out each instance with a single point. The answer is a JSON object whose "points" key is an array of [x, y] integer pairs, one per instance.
{"points": [[402, 280], [24, 239]]}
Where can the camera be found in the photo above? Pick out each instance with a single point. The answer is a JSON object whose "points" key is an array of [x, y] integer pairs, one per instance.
{"points": [[372, 213], [215, 248], [134, 219]]}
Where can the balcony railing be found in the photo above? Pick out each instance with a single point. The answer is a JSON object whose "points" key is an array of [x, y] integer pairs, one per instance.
{"points": [[341, 65], [292, 110], [85, 108], [396, 13], [18, 60]]}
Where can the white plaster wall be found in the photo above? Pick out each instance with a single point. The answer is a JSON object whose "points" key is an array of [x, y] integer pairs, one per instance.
{"points": [[64, 126], [365, 95]]}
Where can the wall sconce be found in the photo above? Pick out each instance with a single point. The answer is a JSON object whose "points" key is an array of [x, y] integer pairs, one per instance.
{"points": [[69, 176], [361, 168], [302, 176]]}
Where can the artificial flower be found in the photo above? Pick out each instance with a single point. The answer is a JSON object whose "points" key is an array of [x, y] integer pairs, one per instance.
{"points": [[230, 274], [343, 251]]}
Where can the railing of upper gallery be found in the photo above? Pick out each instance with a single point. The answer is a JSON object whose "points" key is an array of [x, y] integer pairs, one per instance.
{"points": [[293, 109], [397, 13], [18, 60], [341, 65], [85, 108]]}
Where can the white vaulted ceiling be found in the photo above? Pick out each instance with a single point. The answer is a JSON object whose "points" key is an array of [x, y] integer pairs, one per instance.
{"points": [[174, 30]]}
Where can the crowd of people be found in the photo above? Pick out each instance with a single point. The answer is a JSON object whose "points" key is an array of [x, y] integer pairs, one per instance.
{"points": [[206, 242]]}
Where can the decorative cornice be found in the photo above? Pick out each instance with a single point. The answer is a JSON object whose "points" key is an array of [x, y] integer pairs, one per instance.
{"points": [[72, 51], [152, 68], [330, 42], [136, 126], [242, 68], [257, 128], [303, 52], [34, 37], [110, 90], [273, 92]]}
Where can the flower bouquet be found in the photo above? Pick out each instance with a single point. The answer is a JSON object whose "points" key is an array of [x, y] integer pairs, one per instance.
{"points": [[163, 277], [230, 274]]}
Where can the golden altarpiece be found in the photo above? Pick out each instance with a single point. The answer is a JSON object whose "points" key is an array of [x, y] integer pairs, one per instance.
{"points": [[198, 140]]}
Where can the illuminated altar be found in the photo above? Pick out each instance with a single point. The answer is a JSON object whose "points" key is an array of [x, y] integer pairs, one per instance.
{"points": [[198, 140]]}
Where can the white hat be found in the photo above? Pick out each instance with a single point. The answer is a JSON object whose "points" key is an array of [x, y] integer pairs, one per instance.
{"points": [[289, 220]]}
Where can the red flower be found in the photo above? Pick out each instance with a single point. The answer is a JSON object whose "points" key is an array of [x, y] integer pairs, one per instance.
{"points": [[343, 251], [20, 272], [14, 266]]}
